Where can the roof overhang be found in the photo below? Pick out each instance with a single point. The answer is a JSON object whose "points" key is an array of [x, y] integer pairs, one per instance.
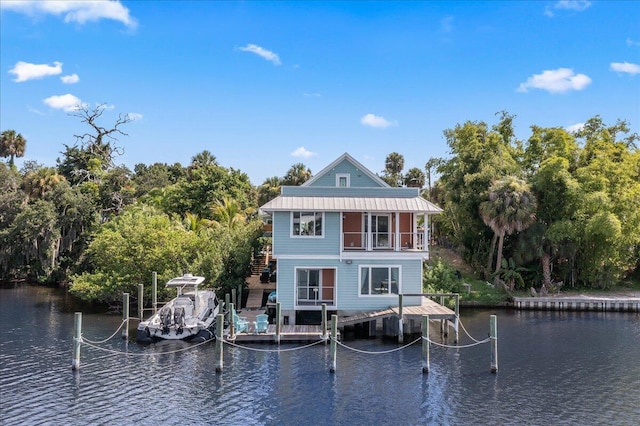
{"points": [[345, 204]]}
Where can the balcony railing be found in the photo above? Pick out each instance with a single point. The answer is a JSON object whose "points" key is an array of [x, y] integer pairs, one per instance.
{"points": [[374, 241]]}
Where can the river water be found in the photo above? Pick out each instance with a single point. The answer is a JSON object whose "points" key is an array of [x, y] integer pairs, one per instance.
{"points": [[578, 368]]}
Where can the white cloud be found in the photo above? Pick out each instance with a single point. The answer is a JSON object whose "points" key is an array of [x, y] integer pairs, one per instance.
{"points": [[264, 53], [312, 95], [134, 116], [556, 81], [574, 127], [373, 120], [74, 11], [631, 42], [575, 5], [25, 71], [302, 152], [66, 102], [625, 67], [446, 24], [70, 79]]}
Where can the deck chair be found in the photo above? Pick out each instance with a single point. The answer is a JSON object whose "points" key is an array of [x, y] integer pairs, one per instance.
{"points": [[240, 323], [261, 323]]}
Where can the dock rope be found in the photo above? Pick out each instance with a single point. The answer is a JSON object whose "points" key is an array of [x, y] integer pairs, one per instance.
{"points": [[467, 333], [230, 343], [376, 352], [98, 342], [116, 352], [442, 345]]}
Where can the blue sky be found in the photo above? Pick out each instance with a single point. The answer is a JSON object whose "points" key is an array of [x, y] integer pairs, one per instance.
{"points": [[264, 85]]}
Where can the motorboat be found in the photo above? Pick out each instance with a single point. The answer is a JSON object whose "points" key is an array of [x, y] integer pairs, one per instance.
{"points": [[190, 316]]}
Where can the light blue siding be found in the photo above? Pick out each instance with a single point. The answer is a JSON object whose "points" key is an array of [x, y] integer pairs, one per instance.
{"points": [[285, 244], [357, 177], [347, 282]]}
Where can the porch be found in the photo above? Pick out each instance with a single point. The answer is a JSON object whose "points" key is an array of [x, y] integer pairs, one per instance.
{"points": [[392, 231]]}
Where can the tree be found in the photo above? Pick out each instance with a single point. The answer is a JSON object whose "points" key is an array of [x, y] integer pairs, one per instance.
{"points": [[430, 167], [510, 208], [38, 182], [12, 145], [296, 175], [269, 190], [414, 178], [227, 213], [393, 166]]}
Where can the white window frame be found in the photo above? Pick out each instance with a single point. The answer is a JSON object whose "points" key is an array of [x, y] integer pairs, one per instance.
{"points": [[388, 293], [340, 176], [300, 235]]}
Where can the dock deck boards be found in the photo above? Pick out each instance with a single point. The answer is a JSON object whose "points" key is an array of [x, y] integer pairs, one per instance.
{"points": [[288, 333]]}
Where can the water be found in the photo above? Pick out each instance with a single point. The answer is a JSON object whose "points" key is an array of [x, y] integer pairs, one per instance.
{"points": [[555, 368]]}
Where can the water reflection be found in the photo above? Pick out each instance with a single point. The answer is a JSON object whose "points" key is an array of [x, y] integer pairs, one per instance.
{"points": [[576, 368]]}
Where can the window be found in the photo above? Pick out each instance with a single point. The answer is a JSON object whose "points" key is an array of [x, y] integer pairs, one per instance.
{"points": [[343, 180], [308, 284], [306, 224], [379, 280]]}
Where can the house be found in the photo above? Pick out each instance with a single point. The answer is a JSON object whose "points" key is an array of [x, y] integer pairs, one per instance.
{"points": [[347, 239]]}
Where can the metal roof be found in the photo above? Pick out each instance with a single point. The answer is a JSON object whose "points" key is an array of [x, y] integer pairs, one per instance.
{"points": [[344, 204]]}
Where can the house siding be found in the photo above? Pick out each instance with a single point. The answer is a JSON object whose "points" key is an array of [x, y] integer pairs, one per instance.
{"points": [[285, 244], [357, 177]]}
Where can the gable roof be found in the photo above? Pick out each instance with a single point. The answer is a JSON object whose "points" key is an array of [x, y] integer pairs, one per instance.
{"points": [[356, 164]]}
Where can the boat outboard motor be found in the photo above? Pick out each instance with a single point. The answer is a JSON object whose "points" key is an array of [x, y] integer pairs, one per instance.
{"points": [[165, 320], [178, 319]]}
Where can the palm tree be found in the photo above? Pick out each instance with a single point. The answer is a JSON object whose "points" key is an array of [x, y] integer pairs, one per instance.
{"points": [[511, 208], [12, 145], [194, 223], [269, 190], [227, 213], [297, 175], [414, 178], [393, 165], [38, 182]]}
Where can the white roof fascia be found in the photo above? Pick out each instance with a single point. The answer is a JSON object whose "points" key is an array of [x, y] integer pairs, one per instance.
{"points": [[356, 204], [353, 161]]}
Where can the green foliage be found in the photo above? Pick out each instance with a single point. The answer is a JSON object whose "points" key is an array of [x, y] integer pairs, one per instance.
{"points": [[440, 278]]}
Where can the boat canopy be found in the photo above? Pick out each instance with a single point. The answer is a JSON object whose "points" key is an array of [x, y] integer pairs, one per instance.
{"points": [[186, 280]]}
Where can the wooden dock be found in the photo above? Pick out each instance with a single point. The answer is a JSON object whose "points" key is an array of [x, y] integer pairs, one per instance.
{"points": [[288, 333], [429, 307], [579, 303]]}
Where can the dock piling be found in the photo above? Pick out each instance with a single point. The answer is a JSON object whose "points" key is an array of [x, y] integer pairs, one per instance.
{"points": [[324, 321], [425, 344], [154, 291], [278, 322], [493, 333], [125, 315], [218, 349], [232, 324], [334, 342], [400, 321], [77, 336], [141, 301]]}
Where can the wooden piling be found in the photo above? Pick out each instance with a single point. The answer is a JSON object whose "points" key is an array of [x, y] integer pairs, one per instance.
{"points": [[443, 329], [141, 301], [125, 315], [154, 291], [400, 321], [456, 323], [278, 323], [219, 349], [77, 336], [239, 296], [324, 321], [334, 342], [226, 305], [425, 344], [493, 333], [233, 296], [232, 323]]}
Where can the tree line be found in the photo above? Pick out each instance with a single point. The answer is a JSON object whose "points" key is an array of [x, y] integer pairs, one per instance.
{"points": [[559, 207]]}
